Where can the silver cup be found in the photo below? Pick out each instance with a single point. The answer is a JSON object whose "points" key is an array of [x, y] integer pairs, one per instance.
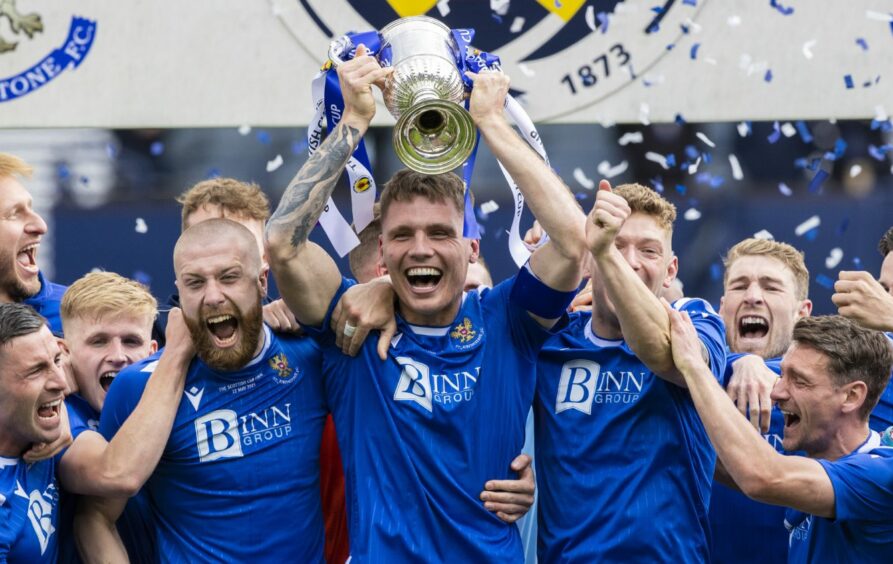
{"points": [[434, 134]]}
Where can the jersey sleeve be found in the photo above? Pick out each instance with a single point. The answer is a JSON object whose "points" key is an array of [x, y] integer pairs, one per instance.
{"points": [[123, 397], [323, 333], [863, 485], [527, 334], [711, 331]]}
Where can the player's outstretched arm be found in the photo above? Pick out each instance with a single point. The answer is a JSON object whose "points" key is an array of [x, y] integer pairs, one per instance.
{"points": [[759, 471], [95, 533], [643, 321], [120, 467], [306, 275]]}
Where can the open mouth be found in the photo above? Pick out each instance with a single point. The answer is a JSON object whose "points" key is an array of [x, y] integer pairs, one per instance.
{"points": [[423, 277], [49, 410], [27, 258], [791, 420], [106, 379], [753, 327], [223, 329]]}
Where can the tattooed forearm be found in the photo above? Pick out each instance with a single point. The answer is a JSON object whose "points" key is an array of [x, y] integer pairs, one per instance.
{"points": [[305, 198]]}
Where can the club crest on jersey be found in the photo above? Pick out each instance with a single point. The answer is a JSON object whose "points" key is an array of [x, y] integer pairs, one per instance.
{"points": [[464, 335], [284, 372]]}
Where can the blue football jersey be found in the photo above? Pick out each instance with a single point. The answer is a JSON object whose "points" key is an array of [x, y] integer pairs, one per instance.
{"points": [[239, 477], [624, 464], [46, 302], [744, 530], [135, 526], [29, 513], [862, 530], [421, 432]]}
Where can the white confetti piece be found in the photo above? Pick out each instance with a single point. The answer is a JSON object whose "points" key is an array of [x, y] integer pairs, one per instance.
{"points": [[608, 171], [744, 61], [880, 113], [855, 171], [763, 234], [807, 48], [788, 130], [692, 214], [878, 16], [644, 111], [743, 129], [141, 226], [500, 7], [737, 174], [590, 17], [274, 164], [784, 189], [705, 139], [693, 168], [489, 207], [710, 61], [693, 26], [631, 137], [808, 225], [525, 69], [244, 129], [657, 158], [96, 269], [834, 257], [584, 180], [517, 24], [734, 21], [443, 7]]}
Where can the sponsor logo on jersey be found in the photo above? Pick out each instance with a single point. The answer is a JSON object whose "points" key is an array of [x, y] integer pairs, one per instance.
{"points": [[419, 384], [40, 512], [583, 383], [223, 433]]}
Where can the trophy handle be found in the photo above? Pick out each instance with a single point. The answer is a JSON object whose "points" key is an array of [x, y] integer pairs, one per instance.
{"points": [[337, 47]]}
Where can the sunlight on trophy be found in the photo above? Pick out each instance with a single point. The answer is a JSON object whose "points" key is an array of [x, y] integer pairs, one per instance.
{"points": [[434, 133]]}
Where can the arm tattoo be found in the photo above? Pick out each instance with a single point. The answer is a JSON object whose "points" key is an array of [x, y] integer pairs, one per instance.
{"points": [[305, 198]]}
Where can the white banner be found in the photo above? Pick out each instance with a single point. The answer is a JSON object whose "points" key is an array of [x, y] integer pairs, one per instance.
{"points": [[167, 63]]}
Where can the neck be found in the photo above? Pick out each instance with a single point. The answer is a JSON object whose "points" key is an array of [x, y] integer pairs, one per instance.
{"points": [[10, 447], [440, 318], [845, 441], [605, 328]]}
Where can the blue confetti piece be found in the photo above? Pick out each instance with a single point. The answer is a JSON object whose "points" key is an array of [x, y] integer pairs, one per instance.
{"points": [[684, 28], [156, 148], [775, 135], [143, 278], [703, 178], [825, 281], [782, 9], [848, 80], [862, 43], [691, 152], [878, 153], [804, 132], [670, 46], [768, 76], [658, 10], [681, 189], [581, 196], [815, 185], [884, 125], [839, 147], [658, 184], [213, 173], [717, 181], [298, 147], [812, 234], [111, 150], [62, 171], [841, 229], [707, 158], [857, 263], [716, 271], [690, 2], [801, 163], [679, 119], [694, 51], [264, 137], [496, 18], [602, 18], [671, 160]]}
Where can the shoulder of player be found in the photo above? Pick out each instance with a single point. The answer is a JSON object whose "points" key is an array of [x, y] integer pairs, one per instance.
{"points": [[693, 305], [301, 345]]}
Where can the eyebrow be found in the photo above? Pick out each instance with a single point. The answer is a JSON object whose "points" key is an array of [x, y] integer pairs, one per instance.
{"points": [[764, 278]]}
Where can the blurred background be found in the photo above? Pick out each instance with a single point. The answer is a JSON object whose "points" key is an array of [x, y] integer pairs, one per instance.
{"points": [[825, 187]]}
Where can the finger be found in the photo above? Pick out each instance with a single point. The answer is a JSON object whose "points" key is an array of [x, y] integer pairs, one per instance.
{"points": [[522, 499], [521, 462], [765, 411], [518, 509], [292, 321], [361, 50], [359, 337], [514, 486], [384, 340], [846, 285], [841, 300], [508, 518], [604, 186], [753, 401], [853, 275]]}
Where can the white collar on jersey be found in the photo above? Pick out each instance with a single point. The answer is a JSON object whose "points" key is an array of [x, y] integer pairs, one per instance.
{"points": [[598, 341], [428, 331], [6, 461], [267, 337], [872, 442]]}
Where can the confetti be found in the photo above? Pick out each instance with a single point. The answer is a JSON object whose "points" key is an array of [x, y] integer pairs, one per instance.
{"points": [[694, 51], [517, 24], [805, 134], [141, 226], [716, 270], [807, 48], [500, 7], [855, 171], [589, 16], [584, 180], [244, 129], [743, 129], [763, 234], [693, 168], [737, 174], [443, 7], [775, 135], [111, 150], [489, 207], [807, 225], [274, 164], [733, 21], [825, 281], [848, 81], [857, 263], [879, 16], [298, 147], [264, 137], [525, 69], [862, 43], [784, 189], [608, 171], [143, 278], [841, 229], [878, 153], [657, 158], [768, 76], [705, 139], [681, 189], [692, 214], [156, 148], [788, 130], [834, 257], [783, 10], [631, 137], [690, 2], [644, 110], [658, 183], [815, 185], [679, 119]]}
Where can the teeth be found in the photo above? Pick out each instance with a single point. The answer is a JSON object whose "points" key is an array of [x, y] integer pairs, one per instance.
{"points": [[54, 403], [109, 374], [423, 271], [30, 248], [219, 318], [751, 320]]}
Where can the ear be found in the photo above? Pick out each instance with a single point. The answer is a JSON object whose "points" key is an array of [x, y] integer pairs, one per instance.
{"points": [[63, 345], [805, 308], [722, 303], [854, 396], [475, 250], [672, 271], [153, 346], [381, 264], [262, 278]]}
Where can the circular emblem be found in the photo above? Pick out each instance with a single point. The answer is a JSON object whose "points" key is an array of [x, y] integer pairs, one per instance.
{"points": [[561, 56], [361, 185]]}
